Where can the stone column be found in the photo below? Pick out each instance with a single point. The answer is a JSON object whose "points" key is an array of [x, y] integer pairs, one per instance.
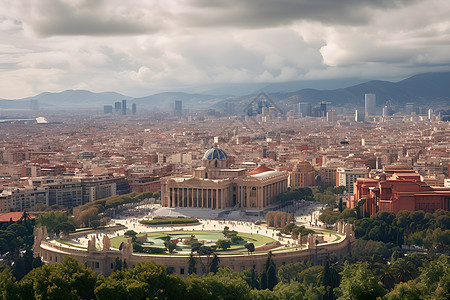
{"points": [[203, 196], [172, 198]]}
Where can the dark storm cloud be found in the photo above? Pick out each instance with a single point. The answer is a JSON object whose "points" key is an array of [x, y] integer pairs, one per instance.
{"points": [[268, 13], [92, 17], [120, 17]]}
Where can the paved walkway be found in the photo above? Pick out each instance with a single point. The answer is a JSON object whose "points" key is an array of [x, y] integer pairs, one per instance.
{"points": [[306, 215]]}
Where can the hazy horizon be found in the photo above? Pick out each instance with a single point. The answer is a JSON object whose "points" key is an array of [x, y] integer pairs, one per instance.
{"points": [[141, 47]]}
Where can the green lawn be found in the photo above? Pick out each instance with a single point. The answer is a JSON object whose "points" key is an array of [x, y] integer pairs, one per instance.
{"points": [[210, 237], [324, 231], [69, 244]]}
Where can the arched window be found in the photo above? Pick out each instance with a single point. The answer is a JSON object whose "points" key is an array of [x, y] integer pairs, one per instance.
{"points": [[215, 164], [206, 175]]}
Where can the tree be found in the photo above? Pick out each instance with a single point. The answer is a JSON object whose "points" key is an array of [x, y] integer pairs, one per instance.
{"points": [[214, 267], [358, 282], [326, 281], [132, 234], [340, 205], [328, 216], [226, 284], [205, 251], [403, 270], [65, 280], [192, 269], [223, 243], [251, 277], [432, 283], [225, 231], [37, 262], [269, 277], [65, 228], [95, 223], [9, 288], [290, 272], [52, 220], [117, 264], [170, 245], [250, 247]]}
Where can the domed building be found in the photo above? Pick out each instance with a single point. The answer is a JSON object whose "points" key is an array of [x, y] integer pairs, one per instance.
{"points": [[215, 185]]}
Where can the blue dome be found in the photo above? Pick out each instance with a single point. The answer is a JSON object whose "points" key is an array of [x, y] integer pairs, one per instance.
{"points": [[215, 153]]}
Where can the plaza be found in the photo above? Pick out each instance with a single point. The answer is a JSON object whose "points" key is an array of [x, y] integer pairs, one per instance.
{"points": [[99, 249]]}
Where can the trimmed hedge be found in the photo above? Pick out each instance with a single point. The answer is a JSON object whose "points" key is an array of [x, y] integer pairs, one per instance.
{"points": [[168, 220]]}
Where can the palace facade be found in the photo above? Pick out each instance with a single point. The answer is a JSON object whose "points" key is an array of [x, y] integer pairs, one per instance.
{"points": [[399, 188], [215, 185]]}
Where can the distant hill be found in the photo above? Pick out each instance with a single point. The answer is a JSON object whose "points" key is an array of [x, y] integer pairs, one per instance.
{"points": [[165, 101], [66, 99], [425, 89], [430, 89]]}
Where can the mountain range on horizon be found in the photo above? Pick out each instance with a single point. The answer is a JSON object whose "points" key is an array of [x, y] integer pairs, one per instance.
{"points": [[431, 89]]}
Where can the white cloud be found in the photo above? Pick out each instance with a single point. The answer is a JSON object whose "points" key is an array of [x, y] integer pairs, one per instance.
{"points": [[134, 47]]}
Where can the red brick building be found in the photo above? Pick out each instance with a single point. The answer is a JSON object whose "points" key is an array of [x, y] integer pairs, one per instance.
{"points": [[404, 190]]}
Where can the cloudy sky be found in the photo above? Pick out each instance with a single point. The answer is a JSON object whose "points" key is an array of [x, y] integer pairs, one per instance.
{"points": [[140, 46]]}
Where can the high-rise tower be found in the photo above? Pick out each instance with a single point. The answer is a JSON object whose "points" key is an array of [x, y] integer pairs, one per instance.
{"points": [[370, 104], [117, 107], [124, 107], [178, 107]]}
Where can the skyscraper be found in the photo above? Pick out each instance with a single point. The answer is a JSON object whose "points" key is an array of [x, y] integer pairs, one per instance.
{"points": [[359, 116], [117, 107], [370, 104], [124, 107], [305, 109], [178, 107], [323, 109], [331, 116], [430, 114], [133, 109]]}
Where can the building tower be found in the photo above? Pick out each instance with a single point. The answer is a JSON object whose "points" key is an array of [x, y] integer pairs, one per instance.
{"points": [[370, 104], [124, 107], [359, 116], [117, 107], [133, 109], [331, 116], [305, 109], [430, 114], [323, 109], [178, 107]]}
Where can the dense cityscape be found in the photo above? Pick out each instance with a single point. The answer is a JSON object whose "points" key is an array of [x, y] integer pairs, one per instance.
{"points": [[191, 149], [326, 175]]}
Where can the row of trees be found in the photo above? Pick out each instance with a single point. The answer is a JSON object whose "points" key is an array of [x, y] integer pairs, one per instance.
{"points": [[56, 222], [278, 219], [89, 213], [432, 231], [322, 194], [296, 231], [418, 277]]}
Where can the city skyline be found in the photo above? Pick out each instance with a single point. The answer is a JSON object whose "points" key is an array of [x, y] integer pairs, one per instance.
{"points": [[173, 45]]}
